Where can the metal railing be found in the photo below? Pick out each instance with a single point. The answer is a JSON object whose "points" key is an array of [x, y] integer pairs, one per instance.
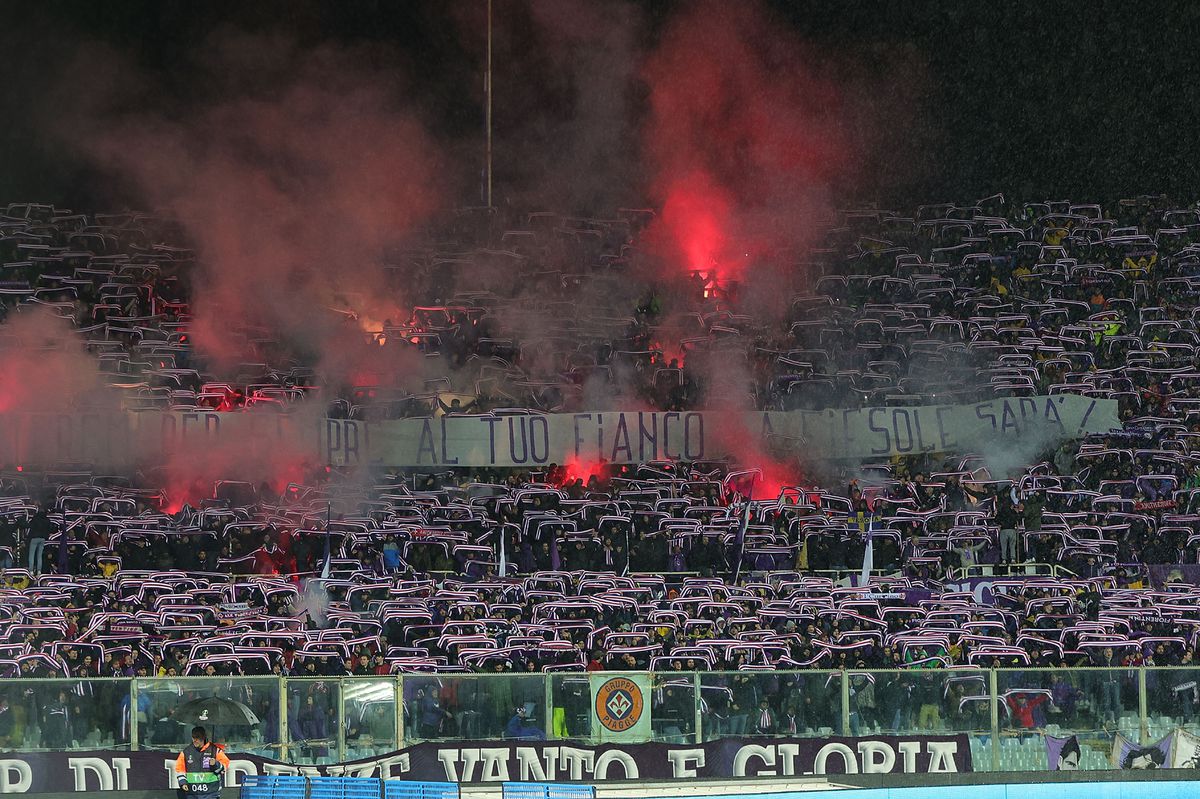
{"points": [[316, 720]]}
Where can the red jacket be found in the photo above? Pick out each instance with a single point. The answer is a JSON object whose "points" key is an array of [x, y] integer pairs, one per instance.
{"points": [[1023, 714]]}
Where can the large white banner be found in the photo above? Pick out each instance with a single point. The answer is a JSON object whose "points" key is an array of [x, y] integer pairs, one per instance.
{"points": [[1018, 428]]}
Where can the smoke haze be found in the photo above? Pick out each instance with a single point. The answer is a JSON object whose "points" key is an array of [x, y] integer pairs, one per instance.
{"points": [[46, 368], [290, 186], [295, 166]]}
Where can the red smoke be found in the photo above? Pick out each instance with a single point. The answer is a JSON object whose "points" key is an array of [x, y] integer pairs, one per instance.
{"points": [[578, 469], [697, 214], [744, 143], [44, 368], [743, 139], [190, 483], [44, 371], [290, 170], [744, 443], [262, 447], [291, 183], [739, 430], [775, 477]]}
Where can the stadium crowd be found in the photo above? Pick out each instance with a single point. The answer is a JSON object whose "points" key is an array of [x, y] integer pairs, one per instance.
{"points": [[652, 566]]}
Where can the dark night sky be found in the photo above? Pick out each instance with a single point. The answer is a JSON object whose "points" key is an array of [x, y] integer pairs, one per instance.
{"points": [[1036, 99]]}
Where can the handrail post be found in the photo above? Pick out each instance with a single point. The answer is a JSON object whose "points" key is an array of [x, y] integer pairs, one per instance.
{"points": [[133, 719], [548, 703], [1143, 719], [283, 717], [341, 717], [994, 713], [398, 706], [845, 704]]}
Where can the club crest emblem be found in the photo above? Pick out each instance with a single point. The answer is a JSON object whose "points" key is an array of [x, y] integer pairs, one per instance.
{"points": [[619, 704]]}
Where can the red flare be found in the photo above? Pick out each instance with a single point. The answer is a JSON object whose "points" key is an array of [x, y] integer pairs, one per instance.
{"points": [[697, 215], [579, 469]]}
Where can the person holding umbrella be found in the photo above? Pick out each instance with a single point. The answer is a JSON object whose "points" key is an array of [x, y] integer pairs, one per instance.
{"points": [[200, 768], [215, 711]]}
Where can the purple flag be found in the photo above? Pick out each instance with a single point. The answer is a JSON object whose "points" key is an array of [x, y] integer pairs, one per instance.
{"points": [[1063, 754], [1128, 755]]}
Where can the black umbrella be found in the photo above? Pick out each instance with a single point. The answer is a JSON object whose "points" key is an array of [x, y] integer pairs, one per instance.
{"points": [[213, 710]]}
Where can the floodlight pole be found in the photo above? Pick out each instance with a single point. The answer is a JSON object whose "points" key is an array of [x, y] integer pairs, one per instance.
{"points": [[487, 84]]}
